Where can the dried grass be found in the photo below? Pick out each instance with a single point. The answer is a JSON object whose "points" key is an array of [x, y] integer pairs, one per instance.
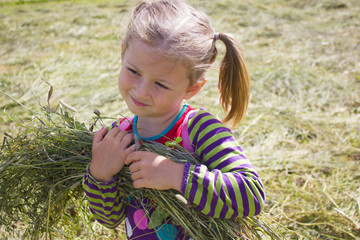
{"points": [[302, 129], [41, 170]]}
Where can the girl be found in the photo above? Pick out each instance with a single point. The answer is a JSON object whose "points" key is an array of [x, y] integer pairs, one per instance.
{"points": [[167, 49]]}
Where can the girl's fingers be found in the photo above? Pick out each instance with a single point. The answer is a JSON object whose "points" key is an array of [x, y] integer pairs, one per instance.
{"points": [[136, 176], [119, 135], [124, 137], [132, 157], [139, 183], [134, 167], [99, 135], [130, 149], [113, 132]]}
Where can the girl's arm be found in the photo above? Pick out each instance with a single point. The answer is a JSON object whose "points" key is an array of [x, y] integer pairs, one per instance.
{"points": [[109, 151], [226, 184], [104, 200]]}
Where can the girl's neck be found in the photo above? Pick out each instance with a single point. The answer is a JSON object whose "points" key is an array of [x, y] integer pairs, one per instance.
{"points": [[152, 126]]}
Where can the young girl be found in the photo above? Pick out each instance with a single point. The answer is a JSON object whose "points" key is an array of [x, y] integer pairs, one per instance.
{"points": [[167, 49]]}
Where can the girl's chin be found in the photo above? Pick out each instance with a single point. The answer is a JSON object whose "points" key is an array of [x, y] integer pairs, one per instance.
{"points": [[136, 111]]}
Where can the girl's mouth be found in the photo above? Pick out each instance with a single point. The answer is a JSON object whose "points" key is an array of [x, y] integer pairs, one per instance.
{"points": [[137, 103]]}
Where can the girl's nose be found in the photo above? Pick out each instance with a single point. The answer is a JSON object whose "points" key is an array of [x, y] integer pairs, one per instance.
{"points": [[141, 89]]}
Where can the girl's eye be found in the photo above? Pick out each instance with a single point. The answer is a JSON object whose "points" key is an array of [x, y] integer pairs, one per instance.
{"points": [[133, 71], [162, 85]]}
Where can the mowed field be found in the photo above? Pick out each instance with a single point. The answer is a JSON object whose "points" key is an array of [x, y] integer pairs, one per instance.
{"points": [[302, 130]]}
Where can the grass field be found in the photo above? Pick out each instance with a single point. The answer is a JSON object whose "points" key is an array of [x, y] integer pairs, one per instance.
{"points": [[302, 131]]}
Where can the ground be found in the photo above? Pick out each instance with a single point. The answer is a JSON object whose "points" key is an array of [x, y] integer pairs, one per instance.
{"points": [[302, 127]]}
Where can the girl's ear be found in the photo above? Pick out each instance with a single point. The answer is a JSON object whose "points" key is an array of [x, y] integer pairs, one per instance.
{"points": [[194, 89]]}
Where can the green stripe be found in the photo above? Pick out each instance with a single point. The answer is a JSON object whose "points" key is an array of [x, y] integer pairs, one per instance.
{"points": [[256, 188], [200, 185], [214, 138], [197, 126], [250, 199], [106, 223], [235, 164], [228, 200], [215, 151], [238, 197], [210, 193], [219, 204], [107, 219], [253, 185], [99, 193], [210, 128], [110, 204], [189, 181]]}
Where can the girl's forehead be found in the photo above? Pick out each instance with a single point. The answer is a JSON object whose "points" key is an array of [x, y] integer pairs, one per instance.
{"points": [[153, 62], [156, 50], [142, 53]]}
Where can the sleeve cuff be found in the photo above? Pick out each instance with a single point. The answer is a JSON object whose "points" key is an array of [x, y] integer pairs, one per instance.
{"points": [[185, 177], [112, 181]]}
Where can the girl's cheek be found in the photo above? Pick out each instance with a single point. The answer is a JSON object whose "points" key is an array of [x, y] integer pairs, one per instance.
{"points": [[124, 81]]}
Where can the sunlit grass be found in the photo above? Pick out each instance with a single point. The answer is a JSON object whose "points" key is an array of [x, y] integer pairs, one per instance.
{"points": [[302, 128]]}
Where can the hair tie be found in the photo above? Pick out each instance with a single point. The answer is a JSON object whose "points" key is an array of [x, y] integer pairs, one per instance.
{"points": [[216, 36]]}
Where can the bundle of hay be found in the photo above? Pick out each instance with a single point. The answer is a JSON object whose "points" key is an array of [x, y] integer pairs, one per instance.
{"points": [[41, 169]]}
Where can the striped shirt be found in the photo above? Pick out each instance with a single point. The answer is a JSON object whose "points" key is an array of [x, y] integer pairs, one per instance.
{"points": [[225, 185]]}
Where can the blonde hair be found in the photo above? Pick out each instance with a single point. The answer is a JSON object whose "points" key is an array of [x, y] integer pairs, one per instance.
{"points": [[186, 35]]}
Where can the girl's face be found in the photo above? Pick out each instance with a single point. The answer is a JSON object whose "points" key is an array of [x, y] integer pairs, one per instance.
{"points": [[151, 84]]}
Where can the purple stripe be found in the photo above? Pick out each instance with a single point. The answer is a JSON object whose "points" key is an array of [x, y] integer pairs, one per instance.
{"points": [[217, 143], [212, 133], [256, 176], [88, 175], [201, 128], [228, 161], [113, 213], [222, 153], [215, 195], [256, 200], [239, 178], [232, 196], [257, 179], [241, 167], [205, 184], [185, 177], [102, 190], [223, 195], [194, 182], [100, 197], [106, 223], [197, 119], [224, 210], [260, 189], [100, 214], [106, 208]]}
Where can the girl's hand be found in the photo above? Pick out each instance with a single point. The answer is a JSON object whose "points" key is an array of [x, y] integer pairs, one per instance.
{"points": [[151, 170], [109, 151]]}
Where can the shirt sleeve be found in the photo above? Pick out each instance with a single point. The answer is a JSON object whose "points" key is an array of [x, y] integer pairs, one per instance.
{"points": [[105, 201], [225, 185]]}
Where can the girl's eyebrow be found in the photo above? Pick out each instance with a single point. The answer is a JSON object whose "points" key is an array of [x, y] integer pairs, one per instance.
{"points": [[167, 83], [132, 65]]}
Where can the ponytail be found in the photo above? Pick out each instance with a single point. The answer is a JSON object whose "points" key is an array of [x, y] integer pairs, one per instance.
{"points": [[234, 81]]}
